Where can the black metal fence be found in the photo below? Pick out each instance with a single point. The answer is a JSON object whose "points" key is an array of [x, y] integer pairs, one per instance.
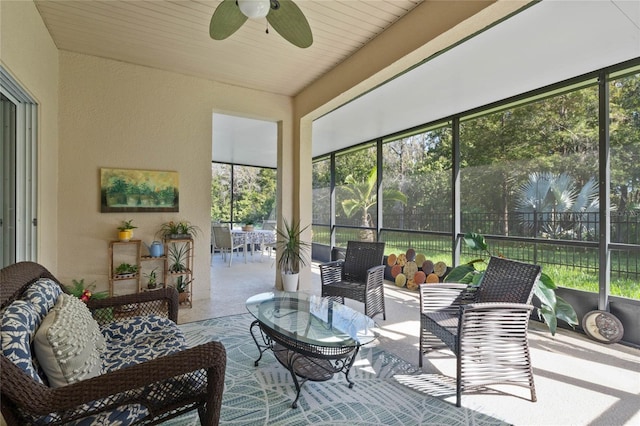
{"points": [[559, 239], [578, 226]]}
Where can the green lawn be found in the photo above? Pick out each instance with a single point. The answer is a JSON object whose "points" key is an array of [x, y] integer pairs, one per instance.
{"points": [[579, 270], [563, 276]]}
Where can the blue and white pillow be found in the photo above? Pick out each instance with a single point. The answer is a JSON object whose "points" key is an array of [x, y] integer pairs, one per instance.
{"points": [[19, 323], [43, 294]]}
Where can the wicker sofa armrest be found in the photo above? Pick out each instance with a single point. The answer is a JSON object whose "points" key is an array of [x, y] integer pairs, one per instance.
{"points": [[439, 297], [375, 276], [162, 302], [126, 383], [331, 272]]}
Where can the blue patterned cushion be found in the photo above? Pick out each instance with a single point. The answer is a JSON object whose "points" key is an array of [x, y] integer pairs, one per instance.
{"points": [[124, 415], [140, 339], [135, 326], [121, 416], [43, 294], [19, 323]]}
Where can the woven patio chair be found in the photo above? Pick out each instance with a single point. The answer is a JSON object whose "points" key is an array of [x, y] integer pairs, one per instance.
{"points": [[269, 247], [163, 388], [360, 276], [485, 327], [225, 242]]}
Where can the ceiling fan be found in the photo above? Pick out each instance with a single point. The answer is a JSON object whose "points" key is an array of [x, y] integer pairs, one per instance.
{"points": [[283, 15]]}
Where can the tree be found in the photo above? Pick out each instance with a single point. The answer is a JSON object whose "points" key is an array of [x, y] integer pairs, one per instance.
{"points": [[625, 143], [552, 203], [220, 192], [364, 196]]}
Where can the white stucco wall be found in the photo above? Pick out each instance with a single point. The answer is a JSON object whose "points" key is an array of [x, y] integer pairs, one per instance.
{"points": [[114, 114], [28, 53]]}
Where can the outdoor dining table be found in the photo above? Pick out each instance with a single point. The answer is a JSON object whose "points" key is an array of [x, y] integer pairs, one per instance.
{"points": [[251, 239]]}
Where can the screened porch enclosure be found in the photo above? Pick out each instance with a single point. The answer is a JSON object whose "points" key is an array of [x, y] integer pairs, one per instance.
{"points": [[549, 177], [243, 195]]}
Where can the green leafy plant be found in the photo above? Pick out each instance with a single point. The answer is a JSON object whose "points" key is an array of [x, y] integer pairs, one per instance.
{"points": [[178, 257], [552, 308], [126, 268], [293, 251], [182, 284], [85, 291], [183, 227], [152, 278], [126, 225]]}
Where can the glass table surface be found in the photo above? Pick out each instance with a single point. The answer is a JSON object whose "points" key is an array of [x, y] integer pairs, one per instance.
{"points": [[312, 319]]}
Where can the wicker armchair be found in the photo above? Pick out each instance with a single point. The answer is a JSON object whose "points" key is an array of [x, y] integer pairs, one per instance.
{"points": [[166, 387], [486, 328], [360, 276]]}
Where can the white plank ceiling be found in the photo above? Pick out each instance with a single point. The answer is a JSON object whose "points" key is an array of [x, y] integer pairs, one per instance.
{"points": [[173, 35], [545, 43]]}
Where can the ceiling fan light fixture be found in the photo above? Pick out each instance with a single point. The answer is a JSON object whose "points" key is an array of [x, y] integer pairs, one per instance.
{"points": [[254, 9]]}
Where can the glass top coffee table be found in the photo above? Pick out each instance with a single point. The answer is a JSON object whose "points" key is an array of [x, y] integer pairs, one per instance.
{"points": [[311, 336]]}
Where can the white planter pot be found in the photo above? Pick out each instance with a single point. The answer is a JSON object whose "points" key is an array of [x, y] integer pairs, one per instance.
{"points": [[290, 282]]}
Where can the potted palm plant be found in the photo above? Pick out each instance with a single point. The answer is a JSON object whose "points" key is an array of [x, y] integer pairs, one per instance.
{"points": [[178, 258], [293, 253]]}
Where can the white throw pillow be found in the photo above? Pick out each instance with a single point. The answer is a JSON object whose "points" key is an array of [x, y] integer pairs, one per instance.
{"points": [[68, 343]]}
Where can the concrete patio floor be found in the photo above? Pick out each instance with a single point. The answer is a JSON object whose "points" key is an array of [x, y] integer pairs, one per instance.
{"points": [[578, 381]]}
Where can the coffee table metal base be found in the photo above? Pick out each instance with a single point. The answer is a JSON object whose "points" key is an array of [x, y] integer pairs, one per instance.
{"points": [[304, 361]]}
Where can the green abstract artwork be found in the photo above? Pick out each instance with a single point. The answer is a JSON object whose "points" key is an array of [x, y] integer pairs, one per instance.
{"points": [[129, 190]]}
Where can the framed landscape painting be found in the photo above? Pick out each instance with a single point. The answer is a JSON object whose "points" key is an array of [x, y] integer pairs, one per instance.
{"points": [[128, 190]]}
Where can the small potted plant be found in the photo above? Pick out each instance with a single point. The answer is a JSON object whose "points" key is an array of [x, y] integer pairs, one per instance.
{"points": [[182, 284], [152, 279], [293, 253], [125, 231], [178, 230], [178, 258], [126, 270], [248, 226]]}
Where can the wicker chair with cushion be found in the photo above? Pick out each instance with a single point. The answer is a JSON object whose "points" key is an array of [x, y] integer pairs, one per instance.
{"points": [[360, 276], [120, 360], [485, 327]]}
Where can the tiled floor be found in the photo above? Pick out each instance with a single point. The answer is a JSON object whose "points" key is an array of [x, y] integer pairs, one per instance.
{"points": [[578, 381]]}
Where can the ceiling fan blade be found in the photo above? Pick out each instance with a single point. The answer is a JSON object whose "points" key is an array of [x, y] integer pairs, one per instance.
{"points": [[289, 21], [226, 20]]}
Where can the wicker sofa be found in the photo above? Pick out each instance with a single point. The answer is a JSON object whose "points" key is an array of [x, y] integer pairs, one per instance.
{"points": [[120, 360]]}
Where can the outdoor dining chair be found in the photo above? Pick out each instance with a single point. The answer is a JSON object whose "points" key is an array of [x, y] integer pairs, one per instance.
{"points": [[269, 247], [225, 243], [360, 276], [485, 326]]}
